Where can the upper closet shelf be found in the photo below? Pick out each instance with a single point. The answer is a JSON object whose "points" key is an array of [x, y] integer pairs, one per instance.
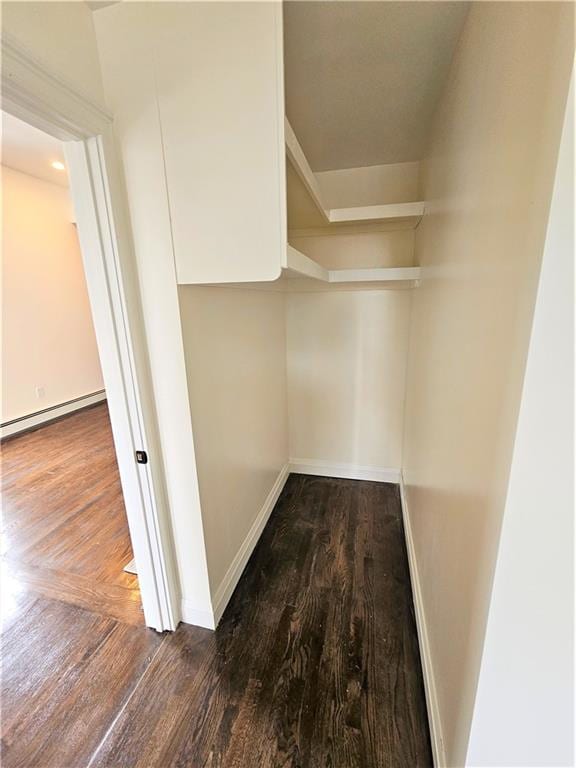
{"points": [[391, 212], [307, 210], [301, 266]]}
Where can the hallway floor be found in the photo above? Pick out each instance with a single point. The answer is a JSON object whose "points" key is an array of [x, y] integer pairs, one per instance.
{"points": [[315, 662]]}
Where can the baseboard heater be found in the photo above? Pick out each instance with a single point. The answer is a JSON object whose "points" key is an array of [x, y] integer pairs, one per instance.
{"points": [[31, 420]]}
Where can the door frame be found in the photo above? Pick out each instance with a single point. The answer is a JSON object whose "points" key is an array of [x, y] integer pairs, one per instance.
{"points": [[42, 99]]}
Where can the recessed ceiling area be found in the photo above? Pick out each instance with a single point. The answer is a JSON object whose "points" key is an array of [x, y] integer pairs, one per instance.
{"points": [[363, 78], [31, 151]]}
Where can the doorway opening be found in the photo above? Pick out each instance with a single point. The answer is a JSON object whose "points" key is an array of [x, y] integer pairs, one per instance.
{"points": [[35, 96], [65, 524]]}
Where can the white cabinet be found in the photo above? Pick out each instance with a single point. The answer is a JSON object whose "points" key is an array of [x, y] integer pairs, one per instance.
{"points": [[219, 82]]}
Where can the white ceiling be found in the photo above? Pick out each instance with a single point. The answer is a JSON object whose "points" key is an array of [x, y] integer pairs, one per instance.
{"points": [[31, 151], [362, 83], [363, 78]]}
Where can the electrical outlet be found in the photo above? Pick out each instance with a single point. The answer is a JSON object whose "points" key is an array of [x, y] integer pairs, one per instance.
{"points": [[40, 392]]}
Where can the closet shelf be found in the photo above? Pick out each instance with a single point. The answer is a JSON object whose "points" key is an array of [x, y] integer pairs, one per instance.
{"points": [[301, 266], [400, 215], [390, 213]]}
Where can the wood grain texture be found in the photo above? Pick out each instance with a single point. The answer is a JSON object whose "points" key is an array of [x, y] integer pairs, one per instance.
{"points": [[107, 599], [315, 662], [64, 522], [66, 674]]}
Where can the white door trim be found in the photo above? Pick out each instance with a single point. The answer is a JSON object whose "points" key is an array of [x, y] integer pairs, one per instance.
{"points": [[44, 100]]}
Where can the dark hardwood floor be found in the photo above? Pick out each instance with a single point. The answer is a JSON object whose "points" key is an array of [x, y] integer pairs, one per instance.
{"points": [[315, 663]]}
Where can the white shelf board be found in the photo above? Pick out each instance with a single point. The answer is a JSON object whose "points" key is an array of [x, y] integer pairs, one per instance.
{"points": [[399, 211], [301, 266], [404, 215], [381, 274], [297, 158]]}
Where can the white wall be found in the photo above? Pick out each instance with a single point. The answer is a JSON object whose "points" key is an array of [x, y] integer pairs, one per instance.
{"points": [[524, 709], [61, 36], [348, 349], [48, 338], [347, 353], [235, 345], [487, 181], [124, 40], [370, 185], [149, 89], [368, 250]]}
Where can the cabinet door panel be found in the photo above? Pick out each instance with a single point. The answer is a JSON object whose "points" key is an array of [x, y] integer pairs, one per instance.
{"points": [[221, 102]]}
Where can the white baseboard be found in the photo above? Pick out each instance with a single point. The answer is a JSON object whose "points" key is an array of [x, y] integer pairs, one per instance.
{"points": [[192, 615], [230, 580], [425, 654], [25, 423], [347, 471]]}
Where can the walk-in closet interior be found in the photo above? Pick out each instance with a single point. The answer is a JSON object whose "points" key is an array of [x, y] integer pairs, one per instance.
{"points": [[338, 212]]}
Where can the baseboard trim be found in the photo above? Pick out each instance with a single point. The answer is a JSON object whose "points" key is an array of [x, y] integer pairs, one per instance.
{"points": [[53, 413], [230, 580], [425, 654], [346, 471], [196, 617]]}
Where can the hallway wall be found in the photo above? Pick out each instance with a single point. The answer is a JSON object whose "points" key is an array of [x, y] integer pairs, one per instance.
{"points": [[524, 710], [48, 339], [487, 182], [237, 386]]}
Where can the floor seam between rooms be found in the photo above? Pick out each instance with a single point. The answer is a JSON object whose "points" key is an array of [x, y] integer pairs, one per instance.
{"points": [[125, 704]]}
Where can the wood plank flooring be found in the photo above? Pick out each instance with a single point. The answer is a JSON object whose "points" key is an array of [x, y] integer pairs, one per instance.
{"points": [[66, 674], [315, 663], [64, 523]]}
